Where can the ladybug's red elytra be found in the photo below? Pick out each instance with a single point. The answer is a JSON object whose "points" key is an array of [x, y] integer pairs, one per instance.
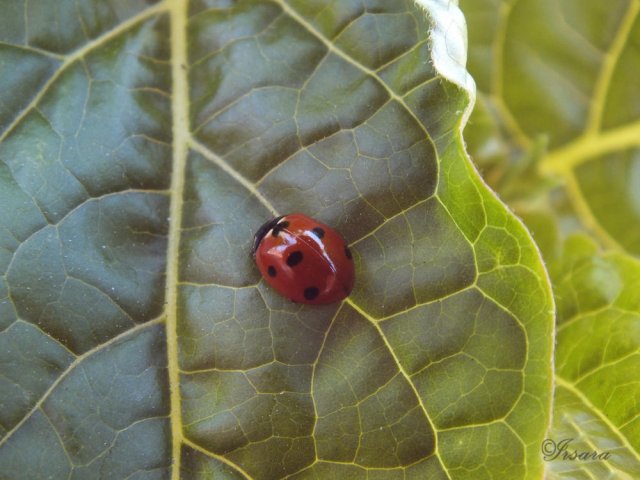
{"points": [[304, 260]]}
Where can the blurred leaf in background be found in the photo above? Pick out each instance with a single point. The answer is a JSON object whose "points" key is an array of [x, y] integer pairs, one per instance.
{"points": [[556, 131]]}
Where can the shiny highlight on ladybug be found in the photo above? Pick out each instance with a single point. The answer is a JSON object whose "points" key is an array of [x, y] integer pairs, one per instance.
{"points": [[304, 260]]}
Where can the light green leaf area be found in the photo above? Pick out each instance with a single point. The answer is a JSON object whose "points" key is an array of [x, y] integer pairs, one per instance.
{"points": [[555, 131], [561, 74], [597, 363], [142, 145]]}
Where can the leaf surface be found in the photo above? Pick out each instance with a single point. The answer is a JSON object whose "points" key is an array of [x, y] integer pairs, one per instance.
{"points": [[147, 143]]}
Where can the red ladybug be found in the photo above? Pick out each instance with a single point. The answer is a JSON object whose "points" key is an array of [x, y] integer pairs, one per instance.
{"points": [[304, 260]]}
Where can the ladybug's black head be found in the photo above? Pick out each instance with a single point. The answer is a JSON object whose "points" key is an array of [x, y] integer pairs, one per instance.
{"points": [[262, 231]]}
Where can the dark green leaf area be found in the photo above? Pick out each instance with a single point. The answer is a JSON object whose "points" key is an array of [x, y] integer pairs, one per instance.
{"points": [[107, 413], [287, 119], [65, 25], [86, 231], [19, 217], [331, 21], [87, 137], [12, 22], [83, 249], [130, 153], [360, 176], [30, 362], [352, 25], [96, 273], [268, 433], [35, 449], [438, 106], [24, 72], [318, 133], [373, 39], [31, 152]]}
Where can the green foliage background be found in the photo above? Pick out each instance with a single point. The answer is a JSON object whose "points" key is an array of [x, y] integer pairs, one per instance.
{"points": [[143, 142], [556, 132]]}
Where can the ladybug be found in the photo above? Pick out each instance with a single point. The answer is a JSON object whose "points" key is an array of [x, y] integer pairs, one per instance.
{"points": [[304, 260]]}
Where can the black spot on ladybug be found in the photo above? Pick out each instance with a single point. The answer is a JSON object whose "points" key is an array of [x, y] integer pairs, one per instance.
{"points": [[272, 271], [279, 227], [347, 252], [311, 292], [295, 258], [318, 232]]}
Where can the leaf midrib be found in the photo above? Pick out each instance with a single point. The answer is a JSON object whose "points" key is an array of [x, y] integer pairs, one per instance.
{"points": [[180, 137]]}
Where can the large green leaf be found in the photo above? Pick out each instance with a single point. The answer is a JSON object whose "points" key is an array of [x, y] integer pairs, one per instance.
{"points": [[143, 143]]}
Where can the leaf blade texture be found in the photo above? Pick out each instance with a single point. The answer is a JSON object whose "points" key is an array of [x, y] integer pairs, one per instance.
{"points": [[154, 140]]}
